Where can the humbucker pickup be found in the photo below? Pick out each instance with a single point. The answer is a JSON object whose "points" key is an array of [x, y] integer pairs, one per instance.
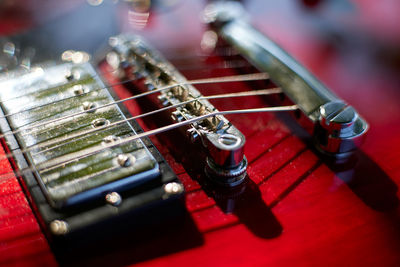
{"points": [[55, 120], [52, 146]]}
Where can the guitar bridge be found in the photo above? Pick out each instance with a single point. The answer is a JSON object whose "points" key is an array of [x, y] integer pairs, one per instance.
{"points": [[223, 143], [339, 130]]}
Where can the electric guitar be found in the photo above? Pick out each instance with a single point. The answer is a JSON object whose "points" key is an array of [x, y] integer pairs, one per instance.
{"points": [[258, 169]]}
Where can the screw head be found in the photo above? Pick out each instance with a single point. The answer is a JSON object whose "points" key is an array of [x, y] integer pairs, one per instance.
{"points": [[72, 75], [229, 140], [69, 75], [125, 160], [337, 116], [59, 227], [173, 188], [87, 106], [78, 89], [100, 122], [110, 139], [113, 198]]}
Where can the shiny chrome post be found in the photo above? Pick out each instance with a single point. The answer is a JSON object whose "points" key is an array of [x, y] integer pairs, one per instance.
{"points": [[339, 129]]}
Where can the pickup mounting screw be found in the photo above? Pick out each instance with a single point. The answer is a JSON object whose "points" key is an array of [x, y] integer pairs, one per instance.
{"points": [[100, 122], [110, 139], [173, 188], [125, 160], [59, 227], [88, 106], [78, 89], [114, 199]]}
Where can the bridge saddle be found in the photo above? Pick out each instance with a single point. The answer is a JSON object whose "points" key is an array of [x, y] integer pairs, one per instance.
{"points": [[223, 143]]}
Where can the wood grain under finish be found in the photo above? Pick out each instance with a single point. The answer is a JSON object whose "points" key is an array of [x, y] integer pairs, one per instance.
{"points": [[22, 241]]}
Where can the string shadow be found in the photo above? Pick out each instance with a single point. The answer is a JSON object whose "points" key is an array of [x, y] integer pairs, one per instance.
{"points": [[367, 180], [244, 201]]}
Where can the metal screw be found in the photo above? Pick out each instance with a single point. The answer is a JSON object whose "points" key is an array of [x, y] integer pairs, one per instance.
{"points": [[69, 75], [177, 115], [125, 160], [163, 100], [100, 122], [114, 199], [338, 118], [88, 106], [78, 89], [229, 140], [173, 188], [193, 134], [59, 227], [150, 86], [110, 139]]}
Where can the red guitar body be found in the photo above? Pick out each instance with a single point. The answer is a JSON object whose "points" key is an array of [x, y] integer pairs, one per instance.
{"points": [[298, 208]]}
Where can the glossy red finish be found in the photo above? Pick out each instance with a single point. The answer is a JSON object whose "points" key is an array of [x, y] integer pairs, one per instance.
{"points": [[298, 209]]}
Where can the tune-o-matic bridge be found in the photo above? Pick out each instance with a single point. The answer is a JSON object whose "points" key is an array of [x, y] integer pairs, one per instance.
{"points": [[223, 143]]}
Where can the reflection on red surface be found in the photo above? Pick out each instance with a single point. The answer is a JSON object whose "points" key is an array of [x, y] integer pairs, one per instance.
{"points": [[328, 215]]}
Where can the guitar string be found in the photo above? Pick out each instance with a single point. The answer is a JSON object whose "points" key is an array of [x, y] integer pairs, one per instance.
{"points": [[226, 51], [82, 135], [210, 66], [66, 84], [58, 142], [223, 79], [226, 64], [232, 64], [101, 147]]}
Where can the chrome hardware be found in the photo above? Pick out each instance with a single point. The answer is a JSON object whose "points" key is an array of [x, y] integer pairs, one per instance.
{"points": [[339, 130], [79, 89], [338, 127], [150, 86], [125, 160], [110, 139], [177, 116], [222, 142], [193, 134], [69, 75], [163, 100], [100, 122], [228, 177], [89, 106], [173, 188], [72, 75], [113, 199], [58, 227]]}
